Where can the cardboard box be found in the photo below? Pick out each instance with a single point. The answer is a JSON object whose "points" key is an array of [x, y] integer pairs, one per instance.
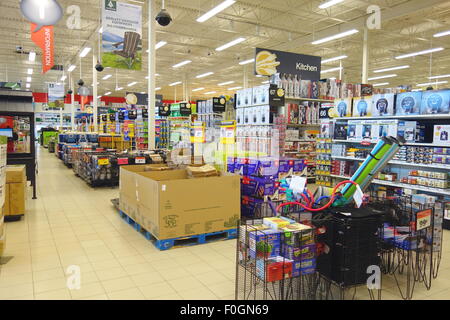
{"points": [[16, 174], [362, 107], [171, 205], [435, 102], [408, 103], [15, 203], [383, 105]]}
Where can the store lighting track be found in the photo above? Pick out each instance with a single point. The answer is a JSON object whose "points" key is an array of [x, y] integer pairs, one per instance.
{"points": [[391, 69], [160, 44], [198, 89], [175, 83], [108, 93], [32, 56], [336, 36], [442, 34], [107, 77], [382, 77], [204, 75], [230, 44], [334, 59], [331, 70], [329, 3], [225, 83], [210, 92], [85, 52], [246, 62], [431, 83], [211, 13], [131, 84], [71, 68], [28, 79], [419, 53], [183, 63], [381, 84], [439, 77], [30, 71]]}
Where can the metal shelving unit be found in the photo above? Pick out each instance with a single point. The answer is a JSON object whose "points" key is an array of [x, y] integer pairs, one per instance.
{"points": [[417, 116]]}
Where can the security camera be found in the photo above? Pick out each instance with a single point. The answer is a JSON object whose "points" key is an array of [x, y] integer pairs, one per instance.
{"points": [[99, 67], [69, 91], [80, 82], [163, 18]]}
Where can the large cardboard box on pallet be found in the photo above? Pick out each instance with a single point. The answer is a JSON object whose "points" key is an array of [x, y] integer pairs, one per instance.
{"points": [[2, 232], [171, 205], [15, 191], [127, 185]]}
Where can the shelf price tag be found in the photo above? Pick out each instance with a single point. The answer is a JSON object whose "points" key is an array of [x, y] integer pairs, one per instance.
{"points": [[139, 160], [103, 161], [358, 196], [423, 219], [122, 161]]}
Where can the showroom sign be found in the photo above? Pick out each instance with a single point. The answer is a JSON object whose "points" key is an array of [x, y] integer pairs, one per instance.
{"points": [[269, 62]]}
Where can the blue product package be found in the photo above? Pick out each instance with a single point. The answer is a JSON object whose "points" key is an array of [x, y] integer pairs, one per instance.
{"points": [[303, 267], [269, 237], [231, 164], [299, 165], [435, 102], [408, 103], [257, 186], [383, 104]]}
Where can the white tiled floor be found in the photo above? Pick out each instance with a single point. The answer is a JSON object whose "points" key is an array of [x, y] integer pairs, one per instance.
{"points": [[73, 224]]}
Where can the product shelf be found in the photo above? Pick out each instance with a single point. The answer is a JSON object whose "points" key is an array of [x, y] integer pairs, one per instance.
{"points": [[412, 144], [401, 163], [417, 116]]}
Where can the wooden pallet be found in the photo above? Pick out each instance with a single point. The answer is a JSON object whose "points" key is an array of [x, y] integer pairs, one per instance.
{"points": [[177, 242], [13, 218]]}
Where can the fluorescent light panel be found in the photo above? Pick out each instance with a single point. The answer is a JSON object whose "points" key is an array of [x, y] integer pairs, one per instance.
{"points": [[28, 79], [331, 70], [204, 75], [334, 59], [225, 83], [71, 68], [234, 88], [265, 82], [107, 77], [391, 69], [108, 93], [380, 84], [383, 77], [439, 77], [431, 83], [198, 89], [230, 44], [175, 83], [131, 84], [183, 63], [329, 3], [30, 71], [442, 34], [336, 36], [158, 88], [63, 78], [246, 62], [85, 52], [160, 44], [32, 56], [28, 85], [210, 92], [119, 88], [211, 13], [419, 53]]}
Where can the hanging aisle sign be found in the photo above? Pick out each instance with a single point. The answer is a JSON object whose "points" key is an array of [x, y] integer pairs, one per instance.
{"points": [[55, 95], [122, 35], [44, 39], [269, 62], [228, 132]]}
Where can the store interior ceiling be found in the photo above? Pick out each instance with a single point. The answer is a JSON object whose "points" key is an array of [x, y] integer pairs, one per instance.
{"points": [[289, 25]]}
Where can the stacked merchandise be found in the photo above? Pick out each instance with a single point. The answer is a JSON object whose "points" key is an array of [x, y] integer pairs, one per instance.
{"points": [[423, 155], [276, 260], [179, 130], [431, 179], [16, 182], [162, 134], [307, 113], [3, 156], [297, 88], [324, 150]]}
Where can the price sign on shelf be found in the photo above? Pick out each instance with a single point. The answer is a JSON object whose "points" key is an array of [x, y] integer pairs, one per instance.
{"points": [[423, 219], [103, 161], [139, 160], [122, 161]]}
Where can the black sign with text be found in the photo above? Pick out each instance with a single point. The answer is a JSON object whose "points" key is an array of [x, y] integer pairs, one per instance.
{"points": [[112, 117], [324, 112], [144, 113], [276, 96], [104, 117], [219, 104], [164, 110], [132, 114], [121, 115], [185, 109]]}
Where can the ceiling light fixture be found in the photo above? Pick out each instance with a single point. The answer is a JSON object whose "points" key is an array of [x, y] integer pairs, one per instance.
{"points": [[28, 79], [211, 13], [225, 83], [28, 85], [439, 77], [131, 84], [336, 36], [265, 82], [30, 71], [198, 89], [85, 52], [334, 59], [160, 44], [210, 92], [230, 44], [419, 53], [382, 77], [431, 83], [442, 34], [183, 63], [158, 88], [100, 30], [107, 77], [63, 78], [32, 56], [108, 93], [118, 89], [246, 62], [234, 88], [329, 3], [175, 83], [71, 68], [391, 69], [204, 75], [380, 84], [331, 70]]}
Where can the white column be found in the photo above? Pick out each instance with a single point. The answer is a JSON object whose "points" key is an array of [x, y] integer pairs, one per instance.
{"points": [[95, 93], [245, 80], [61, 118], [365, 63], [72, 109], [185, 88], [151, 73], [340, 70]]}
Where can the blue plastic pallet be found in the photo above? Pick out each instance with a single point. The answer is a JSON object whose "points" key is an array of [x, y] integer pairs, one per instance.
{"points": [[182, 241]]}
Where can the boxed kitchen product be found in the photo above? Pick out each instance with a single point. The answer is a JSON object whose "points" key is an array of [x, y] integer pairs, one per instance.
{"points": [[275, 223], [264, 243], [274, 269], [246, 115], [248, 100], [240, 116], [240, 98], [340, 131], [408, 103], [435, 102], [15, 192], [366, 133], [441, 134], [267, 116], [362, 107], [354, 130], [171, 205], [341, 108], [383, 105], [293, 113], [258, 186], [407, 130]]}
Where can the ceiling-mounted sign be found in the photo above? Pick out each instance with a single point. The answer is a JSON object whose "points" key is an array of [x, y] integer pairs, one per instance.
{"points": [[276, 96], [144, 114], [132, 114], [112, 117], [219, 104], [185, 109], [269, 62], [164, 110], [55, 95], [131, 98], [122, 35], [141, 99]]}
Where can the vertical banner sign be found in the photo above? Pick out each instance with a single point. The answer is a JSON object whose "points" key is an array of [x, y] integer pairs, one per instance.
{"points": [[228, 132], [269, 62], [122, 35], [55, 95], [44, 39], [198, 132]]}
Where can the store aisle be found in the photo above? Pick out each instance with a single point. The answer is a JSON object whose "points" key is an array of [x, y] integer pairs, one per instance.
{"points": [[73, 224]]}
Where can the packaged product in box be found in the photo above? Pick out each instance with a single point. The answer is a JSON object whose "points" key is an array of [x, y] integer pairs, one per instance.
{"points": [[408, 103], [303, 267], [407, 130], [293, 113], [245, 230], [276, 223], [367, 130], [441, 134], [248, 97], [341, 108], [240, 98], [274, 269], [266, 115], [362, 107], [258, 186], [264, 243], [383, 105], [240, 116], [340, 131], [354, 130], [435, 102]]}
